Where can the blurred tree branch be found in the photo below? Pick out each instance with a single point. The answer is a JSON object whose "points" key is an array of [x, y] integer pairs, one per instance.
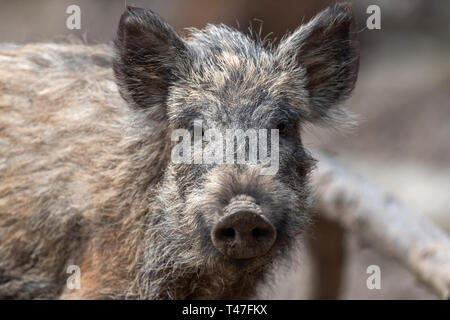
{"points": [[381, 221]]}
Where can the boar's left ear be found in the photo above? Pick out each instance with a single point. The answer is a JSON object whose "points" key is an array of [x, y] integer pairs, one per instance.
{"points": [[149, 56], [326, 52]]}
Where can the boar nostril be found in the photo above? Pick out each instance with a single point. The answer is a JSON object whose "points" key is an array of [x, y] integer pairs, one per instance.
{"points": [[259, 233], [226, 234], [243, 235]]}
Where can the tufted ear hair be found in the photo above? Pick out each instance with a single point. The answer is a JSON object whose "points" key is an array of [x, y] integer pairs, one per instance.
{"points": [[327, 50], [149, 57]]}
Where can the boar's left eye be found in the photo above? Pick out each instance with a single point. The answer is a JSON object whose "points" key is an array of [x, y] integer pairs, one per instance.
{"points": [[283, 128]]}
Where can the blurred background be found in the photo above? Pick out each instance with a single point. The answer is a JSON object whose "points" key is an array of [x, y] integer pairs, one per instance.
{"points": [[402, 99]]}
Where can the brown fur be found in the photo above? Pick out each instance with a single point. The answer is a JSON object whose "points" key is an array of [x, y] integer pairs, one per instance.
{"points": [[86, 178]]}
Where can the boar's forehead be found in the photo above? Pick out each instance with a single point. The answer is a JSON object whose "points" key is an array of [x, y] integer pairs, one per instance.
{"points": [[233, 78]]}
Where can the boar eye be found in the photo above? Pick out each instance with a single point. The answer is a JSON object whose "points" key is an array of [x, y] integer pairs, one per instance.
{"points": [[198, 129], [283, 127]]}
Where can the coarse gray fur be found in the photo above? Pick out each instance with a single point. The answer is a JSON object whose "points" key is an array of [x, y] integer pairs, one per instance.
{"points": [[86, 176]]}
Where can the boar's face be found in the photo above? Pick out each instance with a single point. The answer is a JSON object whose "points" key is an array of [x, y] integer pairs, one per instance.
{"points": [[217, 82]]}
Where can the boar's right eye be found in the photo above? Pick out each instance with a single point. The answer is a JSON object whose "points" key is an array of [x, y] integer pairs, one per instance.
{"points": [[198, 130]]}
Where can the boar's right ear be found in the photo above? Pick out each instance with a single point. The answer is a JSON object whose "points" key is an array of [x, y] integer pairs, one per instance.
{"points": [[148, 56]]}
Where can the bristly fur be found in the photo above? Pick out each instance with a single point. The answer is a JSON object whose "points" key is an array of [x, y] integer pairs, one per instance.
{"points": [[86, 176]]}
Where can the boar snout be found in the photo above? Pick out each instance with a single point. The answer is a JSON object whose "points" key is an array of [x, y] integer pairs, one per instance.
{"points": [[243, 233]]}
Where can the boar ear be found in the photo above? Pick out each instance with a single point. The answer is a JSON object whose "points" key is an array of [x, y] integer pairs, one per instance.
{"points": [[148, 58], [326, 51]]}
